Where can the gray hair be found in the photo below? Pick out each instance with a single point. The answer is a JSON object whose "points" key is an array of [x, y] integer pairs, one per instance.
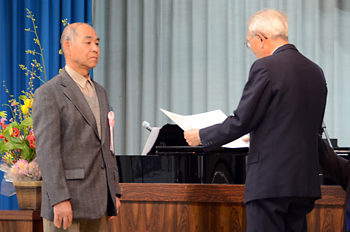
{"points": [[271, 23], [69, 34]]}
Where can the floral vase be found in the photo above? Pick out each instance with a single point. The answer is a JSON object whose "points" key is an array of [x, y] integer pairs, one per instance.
{"points": [[28, 194]]}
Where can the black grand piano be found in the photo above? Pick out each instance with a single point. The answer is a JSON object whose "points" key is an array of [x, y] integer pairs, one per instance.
{"points": [[171, 160]]}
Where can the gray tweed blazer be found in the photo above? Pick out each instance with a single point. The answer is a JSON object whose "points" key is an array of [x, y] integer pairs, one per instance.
{"points": [[76, 164]]}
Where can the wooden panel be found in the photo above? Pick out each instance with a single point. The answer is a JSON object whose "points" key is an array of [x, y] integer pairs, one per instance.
{"points": [[331, 195], [20, 220], [20, 215], [183, 192], [327, 216], [187, 208], [23, 226], [206, 208], [325, 219], [172, 216]]}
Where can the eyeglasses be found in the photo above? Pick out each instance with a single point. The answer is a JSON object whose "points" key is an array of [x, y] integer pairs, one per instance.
{"points": [[247, 44]]}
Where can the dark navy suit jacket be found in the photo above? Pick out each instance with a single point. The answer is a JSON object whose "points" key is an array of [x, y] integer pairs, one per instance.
{"points": [[282, 107]]}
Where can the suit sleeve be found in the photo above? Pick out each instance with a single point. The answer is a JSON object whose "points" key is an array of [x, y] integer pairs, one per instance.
{"points": [[332, 164], [116, 180], [249, 113], [47, 130], [114, 160]]}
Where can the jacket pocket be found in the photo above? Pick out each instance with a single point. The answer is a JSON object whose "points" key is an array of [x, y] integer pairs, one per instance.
{"points": [[253, 157], [74, 174]]}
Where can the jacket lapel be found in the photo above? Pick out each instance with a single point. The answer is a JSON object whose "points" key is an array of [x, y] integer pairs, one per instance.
{"points": [[103, 111], [74, 94]]}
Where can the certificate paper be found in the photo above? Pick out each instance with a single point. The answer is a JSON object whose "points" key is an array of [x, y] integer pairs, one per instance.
{"points": [[199, 121]]}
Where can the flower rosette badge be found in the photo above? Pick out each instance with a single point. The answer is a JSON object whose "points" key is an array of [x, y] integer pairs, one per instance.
{"points": [[111, 126]]}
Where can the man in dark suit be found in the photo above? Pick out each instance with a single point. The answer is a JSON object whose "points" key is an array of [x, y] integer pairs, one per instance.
{"points": [[80, 187], [282, 108], [338, 168]]}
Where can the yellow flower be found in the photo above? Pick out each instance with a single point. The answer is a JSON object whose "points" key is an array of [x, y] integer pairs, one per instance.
{"points": [[24, 109], [28, 103]]}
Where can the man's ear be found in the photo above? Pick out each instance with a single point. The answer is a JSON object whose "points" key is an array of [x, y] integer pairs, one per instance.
{"points": [[262, 39], [66, 46]]}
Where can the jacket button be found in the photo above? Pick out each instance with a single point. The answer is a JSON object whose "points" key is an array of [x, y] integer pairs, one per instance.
{"points": [[102, 166]]}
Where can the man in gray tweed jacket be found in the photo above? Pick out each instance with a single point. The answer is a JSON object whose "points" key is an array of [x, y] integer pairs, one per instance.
{"points": [[80, 176]]}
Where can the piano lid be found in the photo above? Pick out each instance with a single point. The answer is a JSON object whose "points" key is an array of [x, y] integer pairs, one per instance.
{"points": [[198, 150], [170, 141]]}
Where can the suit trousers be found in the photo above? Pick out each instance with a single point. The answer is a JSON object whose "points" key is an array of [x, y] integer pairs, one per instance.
{"points": [[285, 214], [79, 225]]}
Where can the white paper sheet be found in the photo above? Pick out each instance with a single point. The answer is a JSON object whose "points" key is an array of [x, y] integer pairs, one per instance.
{"points": [[199, 121], [196, 121]]}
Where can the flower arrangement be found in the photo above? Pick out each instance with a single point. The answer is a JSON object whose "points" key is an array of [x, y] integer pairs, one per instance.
{"points": [[17, 141]]}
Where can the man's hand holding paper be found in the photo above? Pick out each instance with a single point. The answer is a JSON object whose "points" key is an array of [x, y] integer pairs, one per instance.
{"points": [[191, 124], [192, 137]]}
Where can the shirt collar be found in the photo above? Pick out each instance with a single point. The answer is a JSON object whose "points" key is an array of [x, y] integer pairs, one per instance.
{"points": [[78, 78]]}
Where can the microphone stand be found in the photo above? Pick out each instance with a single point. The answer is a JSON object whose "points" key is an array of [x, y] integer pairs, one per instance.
{"points": [[326, 134]]}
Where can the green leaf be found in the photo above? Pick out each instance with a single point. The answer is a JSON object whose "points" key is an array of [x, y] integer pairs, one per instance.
{"points": [[22, 97], [27, 122], [16, 140], [3, 114], [7, 132], [14, 124], [10, 145], [26, 153], [2, 146]]}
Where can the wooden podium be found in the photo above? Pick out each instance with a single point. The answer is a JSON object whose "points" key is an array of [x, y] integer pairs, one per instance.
{"points": [[207, 208], [186, 208]]}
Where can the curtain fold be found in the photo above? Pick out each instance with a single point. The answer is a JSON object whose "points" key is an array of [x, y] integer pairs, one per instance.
{"points": [[14, 41], [187, 56]]}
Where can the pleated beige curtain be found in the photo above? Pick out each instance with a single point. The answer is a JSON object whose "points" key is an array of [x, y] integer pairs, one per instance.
{"points": [[188, 56]]}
